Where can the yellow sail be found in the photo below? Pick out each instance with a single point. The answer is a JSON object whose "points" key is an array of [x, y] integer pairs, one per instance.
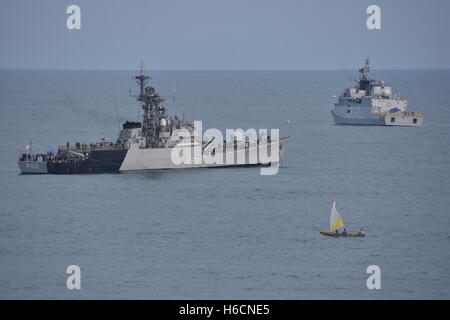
{"points": [[338, 224], [336, 220]]}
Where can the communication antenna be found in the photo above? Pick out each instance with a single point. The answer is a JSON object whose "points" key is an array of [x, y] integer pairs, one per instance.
{"points": [[193, 108], [289, 122], [138, 111], [117, 113]]}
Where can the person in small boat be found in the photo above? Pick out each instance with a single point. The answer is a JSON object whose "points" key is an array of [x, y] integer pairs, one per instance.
{"points": [[336, 232], [344, 233]]}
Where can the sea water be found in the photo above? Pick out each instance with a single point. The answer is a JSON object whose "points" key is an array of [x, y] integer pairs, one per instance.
{"points": [[226, 233]]}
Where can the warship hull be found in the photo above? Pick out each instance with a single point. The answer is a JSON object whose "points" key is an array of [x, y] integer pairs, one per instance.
{"points": [[99, 161], [366, 118], [32, 167], [154, 159], [135, 159], [367, 121]]}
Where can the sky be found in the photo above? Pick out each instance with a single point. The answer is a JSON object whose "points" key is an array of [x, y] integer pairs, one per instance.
{"points": [[224, 34]]}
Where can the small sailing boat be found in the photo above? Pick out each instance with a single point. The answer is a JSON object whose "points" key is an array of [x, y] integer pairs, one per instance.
{"points": [[337, 222]]}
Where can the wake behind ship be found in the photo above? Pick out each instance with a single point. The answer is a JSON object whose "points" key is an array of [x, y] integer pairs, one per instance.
{"points": [[148, 145]]}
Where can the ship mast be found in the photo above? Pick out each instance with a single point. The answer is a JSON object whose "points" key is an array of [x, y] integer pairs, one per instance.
{"points": [[153, 110], [364, 71], [364, 78]]}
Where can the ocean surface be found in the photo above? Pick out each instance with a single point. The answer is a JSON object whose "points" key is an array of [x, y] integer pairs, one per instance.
{"points": [[227, 233]]}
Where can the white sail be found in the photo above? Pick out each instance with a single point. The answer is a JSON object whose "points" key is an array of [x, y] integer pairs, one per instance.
{"points": [[336, 220]]}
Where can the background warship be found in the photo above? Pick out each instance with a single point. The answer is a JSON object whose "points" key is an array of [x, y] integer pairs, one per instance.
{"points": [[371, 102], [145, 146]]}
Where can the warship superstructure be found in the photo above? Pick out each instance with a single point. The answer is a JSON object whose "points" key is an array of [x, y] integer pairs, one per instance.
{"points": [[371, 102], [150, 145]]}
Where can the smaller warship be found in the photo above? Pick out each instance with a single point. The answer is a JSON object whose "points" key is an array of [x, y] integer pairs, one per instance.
{"points": [[371, 102], [150, 145]]}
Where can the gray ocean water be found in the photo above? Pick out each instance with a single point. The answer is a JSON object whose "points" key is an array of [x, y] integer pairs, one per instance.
{"points": [[227, 233]]}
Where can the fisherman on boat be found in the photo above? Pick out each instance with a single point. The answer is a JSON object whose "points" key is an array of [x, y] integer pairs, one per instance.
{"points": [[336, 222]]}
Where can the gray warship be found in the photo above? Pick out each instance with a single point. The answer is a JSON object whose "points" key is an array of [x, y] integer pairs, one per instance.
{"points": [[371, 102], [150, 145]]}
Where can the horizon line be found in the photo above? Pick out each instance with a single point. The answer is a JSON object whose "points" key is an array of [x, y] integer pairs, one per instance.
{"points": [[124, 69]]}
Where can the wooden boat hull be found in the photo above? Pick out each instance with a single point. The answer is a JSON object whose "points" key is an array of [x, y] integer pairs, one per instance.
{"points": [[348, 235]]}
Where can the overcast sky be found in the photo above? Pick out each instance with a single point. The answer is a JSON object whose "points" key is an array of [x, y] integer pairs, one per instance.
{"points": [[224, 34]]}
